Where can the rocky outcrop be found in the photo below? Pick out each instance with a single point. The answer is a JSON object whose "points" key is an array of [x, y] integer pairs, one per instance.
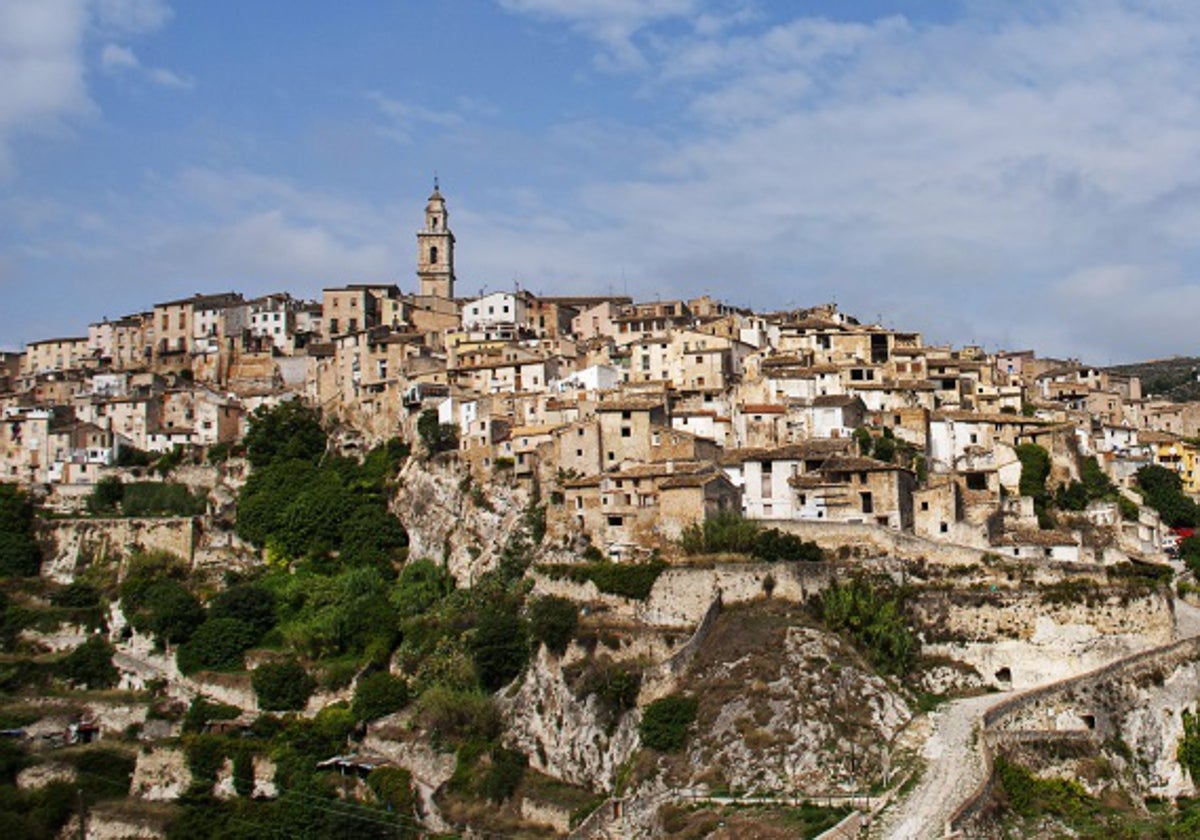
{"points": [[565, 737], [70, 545], [803, 717], [161, 775], [451, 519]]}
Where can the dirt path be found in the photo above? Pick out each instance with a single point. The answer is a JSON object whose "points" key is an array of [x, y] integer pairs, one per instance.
{"points": [[954, 769], [955, 766]]}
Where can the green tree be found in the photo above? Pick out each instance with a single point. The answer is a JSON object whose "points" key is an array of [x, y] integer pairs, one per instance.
{"points": [[290, 430], [90, 664], [378, 694], [420, 585], [167, 610], [436, 436], [874, 619], [665, 722], [19, 553], [1035, 469], [553, 622], [106, 495], [218, 644], [499, 647], [248, 602], [1162, 490], [282, 686]]}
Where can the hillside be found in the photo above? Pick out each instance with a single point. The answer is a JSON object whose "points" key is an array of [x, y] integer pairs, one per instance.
{"points": [[1173, 379]]}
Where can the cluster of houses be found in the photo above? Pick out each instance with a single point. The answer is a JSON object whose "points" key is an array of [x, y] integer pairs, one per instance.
{"points": [[634, 419]]}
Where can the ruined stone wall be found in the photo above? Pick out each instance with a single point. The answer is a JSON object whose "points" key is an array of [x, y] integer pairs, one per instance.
{"points": [[70, 545]]}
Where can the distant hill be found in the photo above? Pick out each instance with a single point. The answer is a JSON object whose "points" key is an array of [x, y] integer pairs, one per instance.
{"points": [[1171, 379]]}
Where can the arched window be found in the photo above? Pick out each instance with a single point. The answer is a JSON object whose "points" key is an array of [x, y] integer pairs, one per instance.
{"points": [[433, 254], [433, 222]]}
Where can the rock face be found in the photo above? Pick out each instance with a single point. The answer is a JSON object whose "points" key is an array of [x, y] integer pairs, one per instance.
{"points": [[450, 518], [161, 775], [802, 715], [565, 737]]}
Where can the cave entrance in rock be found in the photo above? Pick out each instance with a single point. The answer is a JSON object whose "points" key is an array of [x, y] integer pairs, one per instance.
{"points": [[1004, 676]]}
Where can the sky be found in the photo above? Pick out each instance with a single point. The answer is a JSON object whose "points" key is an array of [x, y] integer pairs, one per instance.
{"points": [[1017, 175]]}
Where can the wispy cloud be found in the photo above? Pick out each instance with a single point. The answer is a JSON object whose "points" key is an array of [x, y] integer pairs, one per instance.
{"points": [[950, 172], [404, 119], [118, 59]]}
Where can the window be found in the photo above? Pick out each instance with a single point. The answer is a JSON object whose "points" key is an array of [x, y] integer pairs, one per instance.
{"points": [[626, 415], [616, 521], [612, 456], [433, 254], [626, 432], [578, 453], [945, 528], [924, 505], [868, 503]]}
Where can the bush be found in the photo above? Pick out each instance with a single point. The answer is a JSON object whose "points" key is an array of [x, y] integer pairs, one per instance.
{"points": [[159, 498], [90, 664], [247, 602], [19, 555], [774, 545], [393, 788], [421, 584], [456, 716], [436, 436], [167, 610], [499, 647], [218, 644], [282, 686], [553, 621], [378, 694], [505, 774], [288, 431], [874, 619], [202, 710], [76, 596], [665, 722], [106, 495], [629, 580], [1035, 469]]}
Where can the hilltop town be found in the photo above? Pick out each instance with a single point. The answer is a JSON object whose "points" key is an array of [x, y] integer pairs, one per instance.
{"points": [[692, 486]]}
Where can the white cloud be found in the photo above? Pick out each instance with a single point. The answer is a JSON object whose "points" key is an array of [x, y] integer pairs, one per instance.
{"points": [[611, 23], [115, 58], [131, 17], [42, 68], [405, 119], [954, 171]]}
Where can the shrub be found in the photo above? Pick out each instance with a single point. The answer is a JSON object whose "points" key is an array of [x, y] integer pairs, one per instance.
{"points": [[167, 610], [874, 619], [76, 596], [1030, 796], [158, 498], [393, 787], [247, 602], [1188, 751], [421, 584], [505, 774], [499, 647], [282, 686], [106, 495], [1035, 469], [377, 694], [1162, 490], [629, 580], [218, 644], [436, 436], [19, 555], [288, 431], [665, 722], [202, 710], [774, 545], [90, 664], [457, 716], [553, 621]]}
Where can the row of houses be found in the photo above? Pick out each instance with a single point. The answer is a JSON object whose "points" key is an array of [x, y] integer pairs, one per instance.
{"points": [[640, 417]]}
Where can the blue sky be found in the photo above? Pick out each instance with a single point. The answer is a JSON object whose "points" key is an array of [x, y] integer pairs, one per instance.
{"points": [[1018, 175]]}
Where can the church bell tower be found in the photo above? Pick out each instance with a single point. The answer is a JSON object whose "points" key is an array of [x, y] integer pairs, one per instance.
{"points": [[435, 250]]}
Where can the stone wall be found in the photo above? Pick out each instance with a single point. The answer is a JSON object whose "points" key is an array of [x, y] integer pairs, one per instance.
{"points": [[1138, 700]]}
